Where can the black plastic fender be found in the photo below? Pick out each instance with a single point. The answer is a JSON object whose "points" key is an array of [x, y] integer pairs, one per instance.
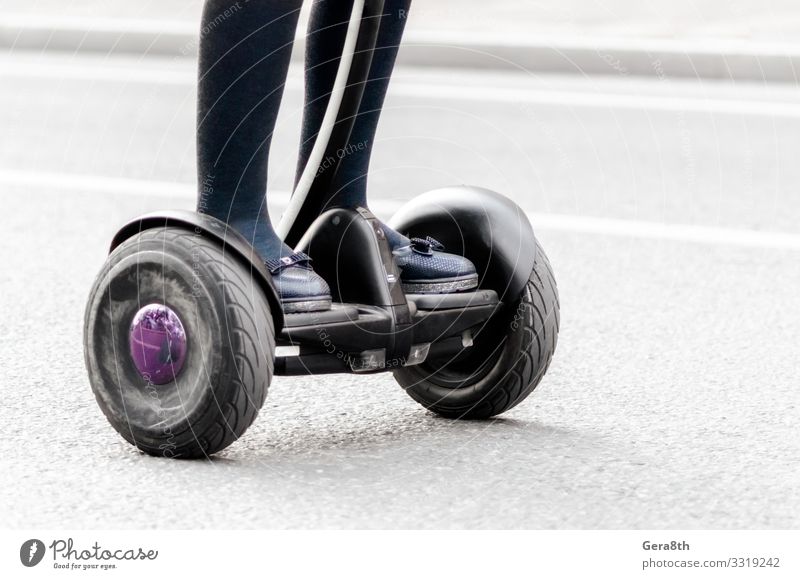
{"points": [[482, 225], [209, 227]]}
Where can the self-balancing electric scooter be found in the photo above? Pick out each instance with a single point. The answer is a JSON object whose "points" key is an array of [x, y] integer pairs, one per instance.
{"points": [[184, 327]]}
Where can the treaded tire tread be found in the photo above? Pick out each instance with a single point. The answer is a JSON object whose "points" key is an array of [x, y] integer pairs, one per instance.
{"points": [[245, 348], [535, 334]]}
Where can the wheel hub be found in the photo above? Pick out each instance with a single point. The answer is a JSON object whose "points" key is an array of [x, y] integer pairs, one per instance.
{"points": [[157, 343]]}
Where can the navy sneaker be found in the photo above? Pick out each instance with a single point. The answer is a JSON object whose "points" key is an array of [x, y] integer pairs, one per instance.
{"points": [[299, 287], [426, 269]]}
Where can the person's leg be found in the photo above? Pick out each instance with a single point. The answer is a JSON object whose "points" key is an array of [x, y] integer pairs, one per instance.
{"points": [[326, 33], [351, 179], [423, 265], [244, 59]]}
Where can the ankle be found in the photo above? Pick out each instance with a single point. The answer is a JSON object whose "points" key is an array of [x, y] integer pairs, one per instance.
{"points": [[262, 237], [395, 239]]}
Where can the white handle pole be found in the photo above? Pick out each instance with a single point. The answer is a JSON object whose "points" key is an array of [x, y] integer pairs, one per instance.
{"points": [[328, 122]]}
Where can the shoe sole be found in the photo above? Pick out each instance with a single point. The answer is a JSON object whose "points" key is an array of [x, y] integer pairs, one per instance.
{"points": [[441, 286], [434, 286], [305, 306]]}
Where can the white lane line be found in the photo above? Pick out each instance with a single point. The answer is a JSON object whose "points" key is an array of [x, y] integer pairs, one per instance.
{"points": [[174, 76], [95, 184], [638, 229], [592, 99], [597, 100], [626, 228], [98, 71], [188, 27], [50, 23]]}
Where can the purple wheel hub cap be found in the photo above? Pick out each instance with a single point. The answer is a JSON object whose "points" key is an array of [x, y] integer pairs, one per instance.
{"points": [[157, 343]]}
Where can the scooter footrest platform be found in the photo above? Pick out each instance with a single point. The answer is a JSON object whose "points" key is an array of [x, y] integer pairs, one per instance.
{"points": [[453, 301], [337, 314], [345, 327], [360, 338]]}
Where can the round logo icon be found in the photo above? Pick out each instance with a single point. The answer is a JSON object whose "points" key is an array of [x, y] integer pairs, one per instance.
{"points": [[31, 552]]}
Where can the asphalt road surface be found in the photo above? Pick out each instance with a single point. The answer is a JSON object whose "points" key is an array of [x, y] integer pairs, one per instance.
{"points": [[671, 215]]}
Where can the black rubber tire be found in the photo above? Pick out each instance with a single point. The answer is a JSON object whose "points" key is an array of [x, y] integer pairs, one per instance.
{"points": [[230, 335], [509, 357]]}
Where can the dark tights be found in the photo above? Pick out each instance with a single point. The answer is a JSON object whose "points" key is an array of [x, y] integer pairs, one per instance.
{"points": [[244, 59]]}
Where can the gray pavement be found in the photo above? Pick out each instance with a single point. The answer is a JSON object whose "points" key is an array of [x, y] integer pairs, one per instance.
{"points": [[716, 39], [687, 152], [672, 400], [772, 21]]}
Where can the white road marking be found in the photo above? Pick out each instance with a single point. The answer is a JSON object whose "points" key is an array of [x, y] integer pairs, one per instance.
{"points": [[580, 224], [188, 28], [598, 100], [95, 184], [665, 231], [99, 70], [132, 72], [51, 23]]}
